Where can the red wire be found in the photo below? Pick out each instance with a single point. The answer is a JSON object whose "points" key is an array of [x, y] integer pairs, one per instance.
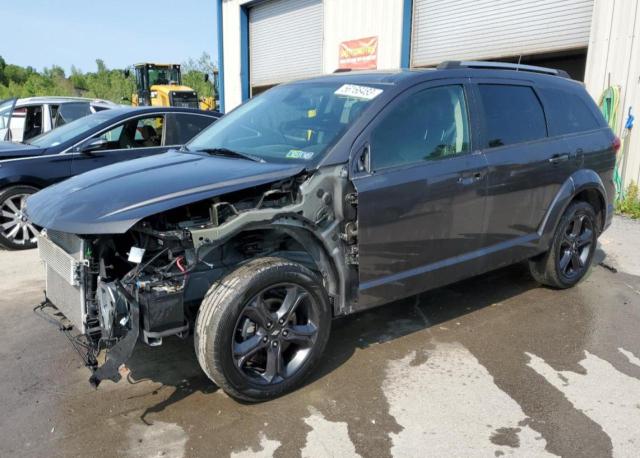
{"points": [[179, 264]]}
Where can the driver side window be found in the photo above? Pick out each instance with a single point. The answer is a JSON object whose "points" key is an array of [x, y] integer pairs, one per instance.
{"points": [[135, 133], [425, 126]]}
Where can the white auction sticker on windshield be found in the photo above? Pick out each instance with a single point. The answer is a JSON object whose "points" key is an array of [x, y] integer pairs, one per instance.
{"points": [[358, 92], [299, 154]]}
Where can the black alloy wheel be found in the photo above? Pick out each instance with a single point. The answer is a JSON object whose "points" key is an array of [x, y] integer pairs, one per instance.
{"points": [[575, 246], [274, 333], [262, 328], [572, 248]]}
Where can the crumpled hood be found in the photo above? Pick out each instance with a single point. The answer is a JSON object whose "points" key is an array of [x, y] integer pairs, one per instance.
{"points": [[11, 150], [111, 199]]}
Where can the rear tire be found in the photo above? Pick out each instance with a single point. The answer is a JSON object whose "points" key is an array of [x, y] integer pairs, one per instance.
{"points": [[571, 253], [16, 233], [262, 328]]}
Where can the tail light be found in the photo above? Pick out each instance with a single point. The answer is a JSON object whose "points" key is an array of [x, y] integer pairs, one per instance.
{"points": [[616, 144]]}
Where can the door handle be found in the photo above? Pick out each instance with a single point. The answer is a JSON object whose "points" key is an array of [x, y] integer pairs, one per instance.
{"points": [[557, 158], [467, 179]]}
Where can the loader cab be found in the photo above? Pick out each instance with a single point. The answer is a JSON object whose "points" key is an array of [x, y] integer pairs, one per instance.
{"points": [[161, 85]]}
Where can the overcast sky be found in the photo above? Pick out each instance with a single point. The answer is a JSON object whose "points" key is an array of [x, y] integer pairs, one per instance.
{"points": [[41, 33]]}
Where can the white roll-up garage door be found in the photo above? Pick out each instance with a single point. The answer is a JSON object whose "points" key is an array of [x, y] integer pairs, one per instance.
{"points": [[482, 29], [285, 41]]}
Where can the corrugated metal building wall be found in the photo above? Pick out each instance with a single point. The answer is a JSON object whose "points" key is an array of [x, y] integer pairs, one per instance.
{"points": [[614, 59], [426, 32], [285, 41], [264, 42], [270, 41], [483, 29], [348, 20]]}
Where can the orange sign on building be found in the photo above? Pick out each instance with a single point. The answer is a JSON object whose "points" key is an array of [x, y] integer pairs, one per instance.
{"points": [[360, 54]]}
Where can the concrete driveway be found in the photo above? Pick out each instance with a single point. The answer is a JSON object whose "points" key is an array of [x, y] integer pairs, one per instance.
{"points": [[488, 367]]}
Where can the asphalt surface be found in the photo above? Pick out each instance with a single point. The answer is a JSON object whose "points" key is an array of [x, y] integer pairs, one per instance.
{"points": [[491, 366]]}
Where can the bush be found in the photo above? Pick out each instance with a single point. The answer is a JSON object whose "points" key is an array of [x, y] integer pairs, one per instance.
{"points": [[630, 205]]}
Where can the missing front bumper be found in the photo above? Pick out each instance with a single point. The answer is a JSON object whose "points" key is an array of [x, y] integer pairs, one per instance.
{"points": [[121, 351], [88, 348]]}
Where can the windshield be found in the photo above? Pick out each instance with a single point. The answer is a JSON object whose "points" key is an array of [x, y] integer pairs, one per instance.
{"points": [[69, 131], [297, 122], [163, 75], [6, 107], [70, 112]]}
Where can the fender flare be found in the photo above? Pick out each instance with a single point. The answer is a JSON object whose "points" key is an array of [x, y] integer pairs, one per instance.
{"points": [[581, 180], [313, 244]]}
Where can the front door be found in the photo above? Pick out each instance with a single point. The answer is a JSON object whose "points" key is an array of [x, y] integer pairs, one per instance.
{"points": [[421, 201], [131, 139]]}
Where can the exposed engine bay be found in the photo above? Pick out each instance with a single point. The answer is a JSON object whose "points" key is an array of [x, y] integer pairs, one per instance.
{"points": [[148, 283]]}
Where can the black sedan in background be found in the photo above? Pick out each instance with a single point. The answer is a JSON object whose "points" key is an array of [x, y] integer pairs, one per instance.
{"points": [[94, 141]]}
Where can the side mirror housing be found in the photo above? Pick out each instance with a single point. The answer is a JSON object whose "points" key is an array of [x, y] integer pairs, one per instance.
{"points": [[94, 145], [126, 72], [206, 77]]}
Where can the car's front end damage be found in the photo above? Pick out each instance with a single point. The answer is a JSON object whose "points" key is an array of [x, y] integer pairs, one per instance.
{"points": [[146, 282], [247, 238]]}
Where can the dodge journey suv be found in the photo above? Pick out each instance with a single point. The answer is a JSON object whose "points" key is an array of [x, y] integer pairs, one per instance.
{"points": [[322, 198]]}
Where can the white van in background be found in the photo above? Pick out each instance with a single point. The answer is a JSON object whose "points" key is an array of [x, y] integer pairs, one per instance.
{"points": [[23, 119]]}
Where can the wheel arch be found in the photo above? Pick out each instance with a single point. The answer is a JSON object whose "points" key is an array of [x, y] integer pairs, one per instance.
{"points": [[22, 180], [311, 242], [583, 185]]}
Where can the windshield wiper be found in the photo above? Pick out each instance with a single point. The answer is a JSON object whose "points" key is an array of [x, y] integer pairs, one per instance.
{"points": [[226, 152]]}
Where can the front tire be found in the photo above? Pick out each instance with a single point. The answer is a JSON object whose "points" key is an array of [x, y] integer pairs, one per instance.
{"points": [[261, 329], [571, 253], [16, 233]]}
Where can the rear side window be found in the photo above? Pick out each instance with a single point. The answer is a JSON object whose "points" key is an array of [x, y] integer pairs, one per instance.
{"points": [[568, 113], [183, 127], [426, 126], [512, 114]]}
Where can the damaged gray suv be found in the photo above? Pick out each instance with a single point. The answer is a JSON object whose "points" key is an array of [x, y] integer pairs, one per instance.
{"points": [[322, 198]]}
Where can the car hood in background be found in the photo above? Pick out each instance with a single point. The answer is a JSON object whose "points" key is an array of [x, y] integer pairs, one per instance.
{"points": [[111, 199], [10, 150]]}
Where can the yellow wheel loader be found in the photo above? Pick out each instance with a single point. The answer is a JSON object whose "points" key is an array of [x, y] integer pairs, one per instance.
{"points": [[161, 85]]}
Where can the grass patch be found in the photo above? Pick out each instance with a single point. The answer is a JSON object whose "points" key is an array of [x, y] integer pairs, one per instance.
{"points": [[630, 205]]}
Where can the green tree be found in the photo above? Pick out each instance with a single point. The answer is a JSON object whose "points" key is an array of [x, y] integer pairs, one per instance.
{"points": [[104, 83], [193, 75], [3, 65], [78, 80]]}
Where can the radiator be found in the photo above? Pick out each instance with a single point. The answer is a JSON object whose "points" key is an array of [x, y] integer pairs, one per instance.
{"points": [[63, 257]]}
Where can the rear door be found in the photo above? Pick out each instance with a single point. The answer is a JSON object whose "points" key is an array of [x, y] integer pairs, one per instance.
{"points": [[526, 167], [137, 137], [421, 200]]}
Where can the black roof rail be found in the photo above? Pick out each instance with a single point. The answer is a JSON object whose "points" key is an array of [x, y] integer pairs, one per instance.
{"points": [[502, 66]]}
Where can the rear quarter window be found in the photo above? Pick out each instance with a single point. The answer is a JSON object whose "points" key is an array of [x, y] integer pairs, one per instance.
{"points": [[567, 112], [512, 114], [182, 127]]}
